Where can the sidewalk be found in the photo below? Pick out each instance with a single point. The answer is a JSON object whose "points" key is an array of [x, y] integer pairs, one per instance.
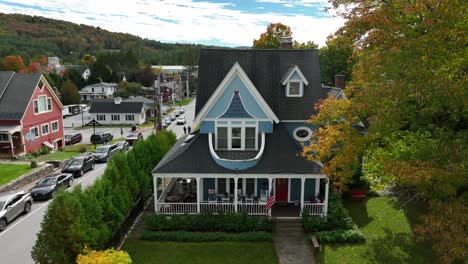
{"points": [[291, 244]]}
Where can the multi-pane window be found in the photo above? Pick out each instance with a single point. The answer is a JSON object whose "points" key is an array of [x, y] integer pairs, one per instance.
{"points": [[49, 104], [231, 186], [294, 88], [129, 117], [221, 185], [250, 187], [42, 104], [115, 117], [35, 131], [101, 117], [55, 126], [236, 137], [4, 137], [222, 137], [250, 138], [36, 107], [45, 129]]}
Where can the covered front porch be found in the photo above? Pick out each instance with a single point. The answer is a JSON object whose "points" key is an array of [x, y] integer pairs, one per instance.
{"points": [[193, 194], [11, 141]]}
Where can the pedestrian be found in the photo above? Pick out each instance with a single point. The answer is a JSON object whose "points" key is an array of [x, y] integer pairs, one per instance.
{"points": [[189, 129], [185, 130]]}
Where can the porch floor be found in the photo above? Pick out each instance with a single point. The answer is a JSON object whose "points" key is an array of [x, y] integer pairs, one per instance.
{"points": [[285, 210]]}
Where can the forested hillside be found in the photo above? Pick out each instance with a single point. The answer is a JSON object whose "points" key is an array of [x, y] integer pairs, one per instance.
{"points": [[32, 36]]}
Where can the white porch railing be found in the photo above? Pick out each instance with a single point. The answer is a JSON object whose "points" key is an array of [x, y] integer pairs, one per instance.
{"points": [[177, 208], [315, 208], [253, 208], [217, 207]]}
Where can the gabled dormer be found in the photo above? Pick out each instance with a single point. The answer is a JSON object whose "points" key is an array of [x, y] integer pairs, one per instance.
{"points": [[294, 82]]}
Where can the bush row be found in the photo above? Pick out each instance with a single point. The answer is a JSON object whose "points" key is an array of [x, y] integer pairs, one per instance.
{"points": [[230, 222], [340, 236], [90, 217], [337, 217], [183, 236]]}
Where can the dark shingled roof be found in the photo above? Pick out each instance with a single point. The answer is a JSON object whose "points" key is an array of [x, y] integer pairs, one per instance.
{"points": [[17, 90], [265, 68], [281, 155], [109, 107]]}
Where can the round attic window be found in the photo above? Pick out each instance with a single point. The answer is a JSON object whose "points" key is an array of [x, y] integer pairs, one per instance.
{"points": [[302, 133]]}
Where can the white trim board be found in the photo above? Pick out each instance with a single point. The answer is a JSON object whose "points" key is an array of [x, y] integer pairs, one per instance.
{"points": [[236, 70], [295, 69]]}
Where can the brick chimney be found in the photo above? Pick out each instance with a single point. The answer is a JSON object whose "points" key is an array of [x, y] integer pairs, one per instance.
{"points": [[339, 81], [286, 42]]}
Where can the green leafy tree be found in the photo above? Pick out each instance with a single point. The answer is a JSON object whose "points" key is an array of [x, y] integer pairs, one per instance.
{"points": [[271, 38], [336, 57], [305, 45], [70, 93]]}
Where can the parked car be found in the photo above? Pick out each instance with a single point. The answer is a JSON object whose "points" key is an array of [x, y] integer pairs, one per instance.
{"points": [[181, 110], [166, 122], [122, 145], [173, 117], [101, 138], [176, 113], [181, 120], [12, 205], [133, 137], [79, 165], [73, 138], [104, 153], [47, 187]]}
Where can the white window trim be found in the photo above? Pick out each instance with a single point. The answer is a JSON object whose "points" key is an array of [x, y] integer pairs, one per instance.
{"points": [[38, 108], [303, 139], [301, 89], [97, 117], [37, 128], [48, 129], [51, 105], [52, 126], [8, 135], [242, 125], [127, 115], [113, 115], [244, 186]]}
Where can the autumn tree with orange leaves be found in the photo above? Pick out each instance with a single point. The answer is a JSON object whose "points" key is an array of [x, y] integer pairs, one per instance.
{"points": [[14, 63], [409, 85]]}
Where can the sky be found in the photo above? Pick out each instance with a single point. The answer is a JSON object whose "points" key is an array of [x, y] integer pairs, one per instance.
{"points": [[228, 23]]}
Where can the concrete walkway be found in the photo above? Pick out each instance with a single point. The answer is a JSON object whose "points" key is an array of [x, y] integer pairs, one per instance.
{"points": [[291, 244]]}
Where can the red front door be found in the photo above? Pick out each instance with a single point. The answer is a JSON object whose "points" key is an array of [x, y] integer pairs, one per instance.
{"points": [[281, 190]]}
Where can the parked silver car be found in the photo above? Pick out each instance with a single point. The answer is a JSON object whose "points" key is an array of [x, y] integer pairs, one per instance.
{"points": [[12, 205]]}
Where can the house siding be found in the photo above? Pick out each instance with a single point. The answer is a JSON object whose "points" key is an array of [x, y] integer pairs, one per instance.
{"points": [[138, 119], [295, 189], [31, 120], [208, 183], [265, 127], [207, 127]]}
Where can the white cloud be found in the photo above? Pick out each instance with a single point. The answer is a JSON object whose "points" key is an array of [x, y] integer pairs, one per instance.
{"points": [[180, 20]]}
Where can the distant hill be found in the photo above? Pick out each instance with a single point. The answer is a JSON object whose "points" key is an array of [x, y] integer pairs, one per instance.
{"points": [[30, 36]]}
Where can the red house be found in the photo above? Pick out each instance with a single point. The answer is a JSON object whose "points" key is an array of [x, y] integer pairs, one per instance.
{"points": [[30, 114]]}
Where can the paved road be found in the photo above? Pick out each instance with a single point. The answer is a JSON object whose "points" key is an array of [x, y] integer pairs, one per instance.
{"points": [[18, 239]]}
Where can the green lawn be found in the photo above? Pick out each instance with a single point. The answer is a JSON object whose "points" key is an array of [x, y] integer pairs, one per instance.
{"points": [[10, 172], [389, 234], [184, 102], [204, 253]]}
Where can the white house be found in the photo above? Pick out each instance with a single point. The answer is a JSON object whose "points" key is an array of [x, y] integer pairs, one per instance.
{"points": [[100, 90], [118, 112]]}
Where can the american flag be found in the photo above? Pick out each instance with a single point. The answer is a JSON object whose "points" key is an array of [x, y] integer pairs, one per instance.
{"points": [[270, 201]]}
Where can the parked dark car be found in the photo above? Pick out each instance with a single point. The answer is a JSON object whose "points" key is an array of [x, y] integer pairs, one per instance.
{"points": [[73, 138], [122, 145], [133, 137], [47, 187], [101, 138], [79, 165], [12, 205], [104, 153]]}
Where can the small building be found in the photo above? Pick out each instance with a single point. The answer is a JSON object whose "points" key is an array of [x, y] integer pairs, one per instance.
{"points": [[83, 70], [101, 90], [30, 114], [117, 111], [169, 91]]}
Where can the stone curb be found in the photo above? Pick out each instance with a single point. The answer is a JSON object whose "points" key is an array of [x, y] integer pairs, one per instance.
{"points": [[27, 178]]}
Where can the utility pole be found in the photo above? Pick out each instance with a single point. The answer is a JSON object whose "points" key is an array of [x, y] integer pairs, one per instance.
{"points": [[157, 95], [187, 82]]}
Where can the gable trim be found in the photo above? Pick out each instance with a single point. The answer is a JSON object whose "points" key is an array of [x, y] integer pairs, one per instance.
{"points": [[298, 71], [236, 69], [51, 91], [243, 105]]}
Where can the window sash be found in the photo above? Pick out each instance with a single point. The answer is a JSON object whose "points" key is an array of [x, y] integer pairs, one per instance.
{"points": [[101, 117], [250, 186], [36, 106], [55, 126], [236, 137], [115, 117], [222, 138], [221, 186], [129, 117], [35, 131], [4, 137], [294, 88], [45, 129], [49, 104], [42, 104]]}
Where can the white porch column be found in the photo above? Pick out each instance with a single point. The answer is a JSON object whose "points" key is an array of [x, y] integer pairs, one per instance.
{"points": [[235, 194], [302, 194], [270, 185], [198, 194], [11, 145], [326, 196], [317, 186], [155, 186]]}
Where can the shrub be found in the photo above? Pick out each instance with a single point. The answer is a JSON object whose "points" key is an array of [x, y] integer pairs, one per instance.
{"points": [[35, 154], [183, 236], [340, 236], [33, 164], [83, 149], [44, 151], [337, 217], [231, 222], [109, 256]]}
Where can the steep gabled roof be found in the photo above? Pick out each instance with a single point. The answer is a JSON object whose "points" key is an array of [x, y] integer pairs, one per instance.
{"points": [[293, 69], [17, 91], [265, 69]]}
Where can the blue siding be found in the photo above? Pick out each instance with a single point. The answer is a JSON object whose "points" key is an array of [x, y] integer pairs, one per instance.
{"points": [[207, 127], [309, 189], [262, 184], [208, 183], [265, 127], [250, 103]]}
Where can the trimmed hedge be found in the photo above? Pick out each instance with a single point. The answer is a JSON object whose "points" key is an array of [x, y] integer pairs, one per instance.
{"points": [[183, 236], [231, 222], [339, 236], [337, 217]]}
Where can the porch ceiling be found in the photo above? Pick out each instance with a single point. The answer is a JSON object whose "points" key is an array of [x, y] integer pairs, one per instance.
{"points": [[10, 128]]}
